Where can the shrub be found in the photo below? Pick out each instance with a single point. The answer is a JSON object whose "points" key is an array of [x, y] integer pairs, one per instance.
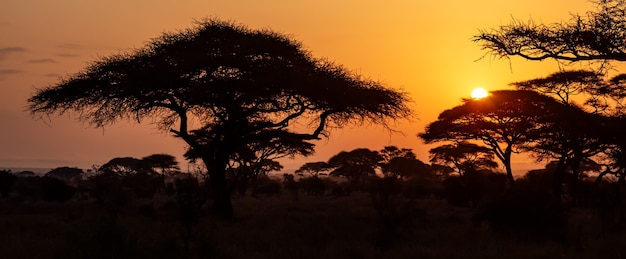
{"points": [[56, 190], [524, 213], [7, 180]]}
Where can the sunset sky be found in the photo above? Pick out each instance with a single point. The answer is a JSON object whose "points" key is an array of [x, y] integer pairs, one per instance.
{"points": [[422, 47]]}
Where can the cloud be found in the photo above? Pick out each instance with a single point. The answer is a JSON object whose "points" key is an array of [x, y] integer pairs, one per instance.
{"points": [[42, 60], [69, 46], [4, 52], [10, 71], [7, 72]]}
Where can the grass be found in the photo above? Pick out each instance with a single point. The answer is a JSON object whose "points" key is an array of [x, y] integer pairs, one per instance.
{"points": [[279, 227]]}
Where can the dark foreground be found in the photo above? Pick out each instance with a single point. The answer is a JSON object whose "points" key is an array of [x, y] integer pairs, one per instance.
{"points": [[279, 227]]}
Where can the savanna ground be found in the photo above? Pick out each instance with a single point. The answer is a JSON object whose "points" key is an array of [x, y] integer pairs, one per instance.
{"points": [[354, 226]]}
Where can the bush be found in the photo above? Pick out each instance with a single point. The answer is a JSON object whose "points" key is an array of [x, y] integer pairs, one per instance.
{"points": [[313, 185], [56, 190], [267, 186], [7, 180], [525, 214]]}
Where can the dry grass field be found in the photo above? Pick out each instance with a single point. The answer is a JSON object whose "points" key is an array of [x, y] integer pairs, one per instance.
{"points": [[355, 226]]}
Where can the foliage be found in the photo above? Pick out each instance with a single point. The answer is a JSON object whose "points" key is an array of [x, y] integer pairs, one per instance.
{"points": [[123, 166], [313, 168], [401, 163], [66, 174], [463, 156], [525, 215], [504, 121], [7, 180], [596, 36], [53, 189], [355, 165], [164, 164], [241, 86]]}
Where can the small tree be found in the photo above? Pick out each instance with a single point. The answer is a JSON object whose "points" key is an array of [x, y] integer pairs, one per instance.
{"points": [[163, 163], [401, 163], [313, 169], [355, 165], [463, 156], [69, 175]]}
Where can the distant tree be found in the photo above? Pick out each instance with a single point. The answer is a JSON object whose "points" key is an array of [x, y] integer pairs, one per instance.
{"points": [[25, 174], [69, 175], [313, 168], [504, 121], [463, 156], [164, 164], [401, 163], [355, 165], [240, 86], [124, 166]]}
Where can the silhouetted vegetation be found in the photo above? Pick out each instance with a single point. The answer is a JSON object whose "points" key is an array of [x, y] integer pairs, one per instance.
{"points": [[246, 88], [243, 87]]}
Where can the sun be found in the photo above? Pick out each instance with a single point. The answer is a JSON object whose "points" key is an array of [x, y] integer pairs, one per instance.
{"points": [[479, 93]]}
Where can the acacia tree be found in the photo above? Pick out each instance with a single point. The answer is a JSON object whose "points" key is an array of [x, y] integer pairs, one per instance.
{"points": [[567, 140], [238, 85], [165, 164], [257, 158], [504, 121], [126, 166], [355, 165], [463, 156], [597, 36], [401, 163], [313, 169]]}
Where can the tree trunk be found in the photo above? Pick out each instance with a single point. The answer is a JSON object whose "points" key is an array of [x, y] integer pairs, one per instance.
{"points": [[222, 205], [216, 167], [557, 181], [509, 173]]}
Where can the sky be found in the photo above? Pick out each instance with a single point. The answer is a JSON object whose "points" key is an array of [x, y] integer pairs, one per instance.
{"points": [[422, 47]]}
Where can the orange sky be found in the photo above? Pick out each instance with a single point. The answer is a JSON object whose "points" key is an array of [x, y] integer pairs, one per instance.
{"points": [[423, 47]]}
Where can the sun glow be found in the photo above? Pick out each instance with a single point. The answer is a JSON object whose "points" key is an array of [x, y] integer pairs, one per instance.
{"points": [[479, 93]]}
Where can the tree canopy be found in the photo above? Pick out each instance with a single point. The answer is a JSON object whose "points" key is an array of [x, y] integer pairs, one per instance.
{"points": [[596, 36], [237, 85], [504, 121]]}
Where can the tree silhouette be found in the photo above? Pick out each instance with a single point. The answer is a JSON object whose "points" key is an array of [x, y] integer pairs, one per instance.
{"points": [[569, 142], [163, 163], [7, 180], [597, 36], [401, 163], [355, 165], [69, 175], [504, 121], [313, 169], [239, 85], [463, 156], [124, 166]]}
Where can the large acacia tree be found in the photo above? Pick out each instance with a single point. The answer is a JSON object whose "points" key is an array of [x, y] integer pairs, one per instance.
{"points": [[238, 85], [505, 121]]}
